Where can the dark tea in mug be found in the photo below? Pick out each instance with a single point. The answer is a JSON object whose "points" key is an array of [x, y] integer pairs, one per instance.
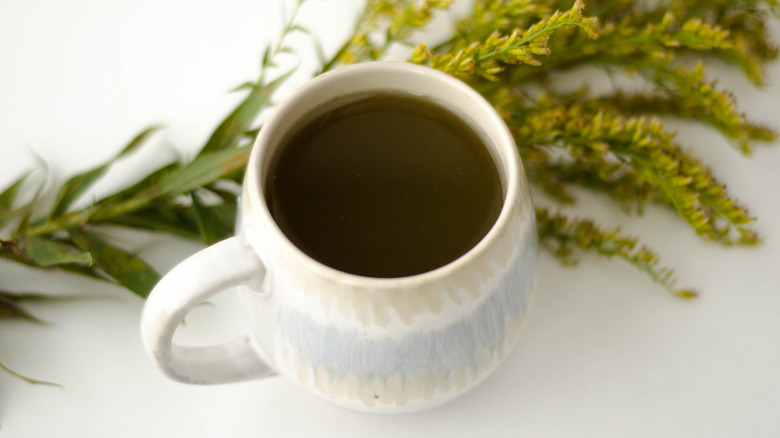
{"points": [[384, 185]]}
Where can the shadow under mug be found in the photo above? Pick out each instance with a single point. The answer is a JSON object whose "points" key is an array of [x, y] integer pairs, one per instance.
{"points": [[370, 344]]}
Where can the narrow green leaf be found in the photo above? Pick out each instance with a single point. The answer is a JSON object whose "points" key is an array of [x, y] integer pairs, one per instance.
{"points": [[225, 195], [10, 251], [78, 184], [318, 50], [9, 194], [164, 218], [23, 211], [144, 184], [126, 268], [245, 86], [74, 187], [50, 252], [33, 296], [27, 210], [252, 134], [138, 140], [178, 220], [211, 228], [230, 131], [7, 199], [266, 56], [9, 309], [87, 271], [203, 170], [28, 379], [300, 28], [174, 180]]}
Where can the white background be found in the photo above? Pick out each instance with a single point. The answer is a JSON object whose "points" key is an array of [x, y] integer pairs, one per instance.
{"points": [[606, 353]]}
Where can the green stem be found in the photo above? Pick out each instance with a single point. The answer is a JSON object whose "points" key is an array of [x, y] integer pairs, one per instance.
{"points": [[524, 41], [334, 59], [28, 379], [288, 27]]}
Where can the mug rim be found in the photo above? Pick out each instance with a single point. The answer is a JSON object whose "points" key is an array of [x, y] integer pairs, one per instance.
{"points": [[504, 145]]}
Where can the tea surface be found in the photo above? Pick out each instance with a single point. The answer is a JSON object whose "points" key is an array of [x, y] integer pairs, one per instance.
{"points": [[390, 185]]}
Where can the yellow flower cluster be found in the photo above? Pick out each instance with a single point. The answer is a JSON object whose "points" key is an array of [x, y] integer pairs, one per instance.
{"points": [[614, 143], [488, 58], [562, 235]]}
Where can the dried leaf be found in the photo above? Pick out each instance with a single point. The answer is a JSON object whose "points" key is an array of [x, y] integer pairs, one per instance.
{"points": [[126, 268]]}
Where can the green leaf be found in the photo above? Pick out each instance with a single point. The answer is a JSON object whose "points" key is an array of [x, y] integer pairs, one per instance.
{"points": [[266, 56], [230, 131], [77, 185], [25, 218], [248, 85], [9, 309], [32, 296], [211, 229], [138, 140], [285, 49], [50, 252], [204, 170], [156, 189], [7, 199], [164, 218], [227, 215], [144, 184], [74, 187], [9, 250], [28, 379], [87, 271], [9, 194], [25, 211], [319, 51], [177, 219], [251, 135], [126, 268], [226, 195]]}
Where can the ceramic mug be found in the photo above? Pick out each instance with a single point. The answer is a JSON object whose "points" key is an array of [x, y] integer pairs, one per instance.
{"points": [[371, 344]]}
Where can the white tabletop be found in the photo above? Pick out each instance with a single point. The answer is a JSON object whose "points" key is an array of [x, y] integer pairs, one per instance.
{"points": [[606, 353]]}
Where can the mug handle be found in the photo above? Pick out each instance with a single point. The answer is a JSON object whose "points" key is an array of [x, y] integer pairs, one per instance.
{"points": [[231, 262]]}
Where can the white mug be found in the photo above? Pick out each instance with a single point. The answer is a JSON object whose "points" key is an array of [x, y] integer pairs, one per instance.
{"points": [[370, 344]]}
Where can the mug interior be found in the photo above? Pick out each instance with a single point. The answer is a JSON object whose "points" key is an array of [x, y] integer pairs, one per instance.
{"points": [[351, 83]]}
